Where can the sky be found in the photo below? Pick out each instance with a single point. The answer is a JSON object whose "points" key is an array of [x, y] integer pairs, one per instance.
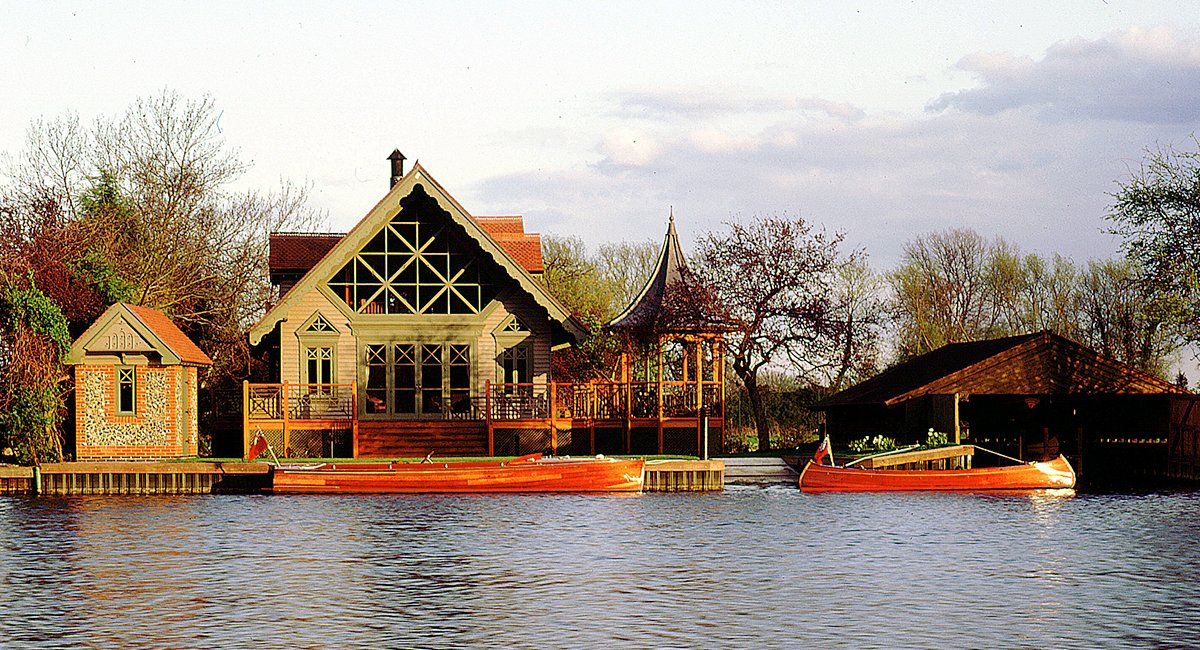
{"points": [[882, 120]]}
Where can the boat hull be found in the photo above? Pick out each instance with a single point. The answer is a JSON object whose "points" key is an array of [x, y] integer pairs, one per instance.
{"points": [[1051, 474], [540, 475]]}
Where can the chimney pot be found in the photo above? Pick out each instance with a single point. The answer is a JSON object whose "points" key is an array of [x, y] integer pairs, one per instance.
{"points": [[397, 159]]}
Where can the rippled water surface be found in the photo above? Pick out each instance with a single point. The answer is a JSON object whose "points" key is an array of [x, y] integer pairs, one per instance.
{"points": [[747, 568]]}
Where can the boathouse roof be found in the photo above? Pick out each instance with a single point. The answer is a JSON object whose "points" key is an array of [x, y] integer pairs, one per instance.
{"points": [[1042, 363], [297, 252]]}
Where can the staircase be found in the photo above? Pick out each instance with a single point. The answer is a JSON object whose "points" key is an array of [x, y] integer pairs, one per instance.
{"points": [[758, 471]]}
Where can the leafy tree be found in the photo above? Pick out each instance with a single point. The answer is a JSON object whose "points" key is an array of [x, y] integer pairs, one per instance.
{"points": [[955, 286], [945, 291], [141, 208], [595, 288], [1157, 213]]}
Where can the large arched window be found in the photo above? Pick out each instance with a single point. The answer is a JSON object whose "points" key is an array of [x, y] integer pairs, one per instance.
{"points": [[419, 263]]}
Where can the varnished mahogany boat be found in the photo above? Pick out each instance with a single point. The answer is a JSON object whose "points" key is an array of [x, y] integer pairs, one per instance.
{"points": [[1056, 473], [530, 473]]}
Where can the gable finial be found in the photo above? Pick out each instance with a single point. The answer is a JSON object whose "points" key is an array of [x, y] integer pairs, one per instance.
{"points": [[672, 214]]}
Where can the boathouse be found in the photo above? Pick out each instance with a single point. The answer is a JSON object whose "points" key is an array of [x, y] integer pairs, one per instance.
{"points": [[136, 380], [426, 329], [1031, 396]]}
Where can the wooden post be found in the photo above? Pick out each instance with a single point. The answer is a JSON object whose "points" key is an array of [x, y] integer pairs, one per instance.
{"points": [[245, 418], [660, 395], [354, 417], [284, 407], [553, 425], [487, 416], [957, 425], [1079, 450], [591, 414], [699, 399]]}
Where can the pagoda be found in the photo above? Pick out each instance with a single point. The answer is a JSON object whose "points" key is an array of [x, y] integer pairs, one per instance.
{"points": [[673, 353]]}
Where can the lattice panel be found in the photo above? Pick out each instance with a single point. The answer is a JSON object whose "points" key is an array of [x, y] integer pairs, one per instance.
{"points": [[680, 441]]}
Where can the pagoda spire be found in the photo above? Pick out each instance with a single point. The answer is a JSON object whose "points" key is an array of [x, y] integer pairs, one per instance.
{"points": [[670, 267]]}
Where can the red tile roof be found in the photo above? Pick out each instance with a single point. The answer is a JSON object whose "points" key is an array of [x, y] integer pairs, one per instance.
{"points": [[300, 251], [171, 335], [509, 231]]}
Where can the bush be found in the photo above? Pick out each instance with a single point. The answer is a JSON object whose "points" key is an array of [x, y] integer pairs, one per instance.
{"points": [[936, 439]]}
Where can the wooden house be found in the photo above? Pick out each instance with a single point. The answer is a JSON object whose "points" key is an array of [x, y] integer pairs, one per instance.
{"points": [[1031, 396], [388, 339], [426, 329], [135, 387]]}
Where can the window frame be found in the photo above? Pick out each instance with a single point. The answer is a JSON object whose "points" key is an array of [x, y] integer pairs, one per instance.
{"points": [[117, 385]]}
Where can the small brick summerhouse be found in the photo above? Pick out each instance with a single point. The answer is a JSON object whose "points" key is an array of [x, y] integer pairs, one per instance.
{"points": [[135, 387]]}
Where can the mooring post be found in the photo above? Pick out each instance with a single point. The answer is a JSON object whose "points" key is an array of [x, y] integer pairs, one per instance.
{"points": [[36, 485], [704, 420]]}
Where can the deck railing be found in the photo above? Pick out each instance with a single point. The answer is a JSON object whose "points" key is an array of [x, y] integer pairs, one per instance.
{"points": [[599, 400], [282, 410], [285, 410]]}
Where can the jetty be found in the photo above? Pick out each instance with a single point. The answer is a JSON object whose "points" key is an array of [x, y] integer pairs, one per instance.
{"points": [[759, 471]]}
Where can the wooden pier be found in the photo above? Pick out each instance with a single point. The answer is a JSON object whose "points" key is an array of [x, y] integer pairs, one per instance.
{"points": [[684, 476], [135, 478]]}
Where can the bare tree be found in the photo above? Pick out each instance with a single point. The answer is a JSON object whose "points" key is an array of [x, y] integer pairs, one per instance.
{"points": [[774, 281], [857, 319]]}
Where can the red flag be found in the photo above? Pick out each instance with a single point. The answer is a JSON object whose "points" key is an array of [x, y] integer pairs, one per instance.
{"points": [[822, 450], [257, 447]]}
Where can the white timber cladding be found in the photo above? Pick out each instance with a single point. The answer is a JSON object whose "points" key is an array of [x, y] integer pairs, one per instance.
{"points": [[355, 331], [294, 338], [353, 334]]}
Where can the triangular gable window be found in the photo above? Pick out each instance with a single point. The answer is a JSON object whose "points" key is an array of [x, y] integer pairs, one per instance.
{"points": [[320, 325], [419, 263]]}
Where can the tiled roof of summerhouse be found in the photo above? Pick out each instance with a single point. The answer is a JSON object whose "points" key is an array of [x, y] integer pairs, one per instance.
{"points": [[171, 335]]}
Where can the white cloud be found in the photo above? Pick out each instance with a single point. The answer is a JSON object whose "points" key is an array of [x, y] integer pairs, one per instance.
{"points": [[1139, 75]]}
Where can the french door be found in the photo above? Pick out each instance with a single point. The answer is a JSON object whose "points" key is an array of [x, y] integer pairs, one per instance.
{"points": [[418, 379]]}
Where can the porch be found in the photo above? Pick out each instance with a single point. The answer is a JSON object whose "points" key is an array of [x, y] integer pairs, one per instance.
{"points": [[580, 418]]}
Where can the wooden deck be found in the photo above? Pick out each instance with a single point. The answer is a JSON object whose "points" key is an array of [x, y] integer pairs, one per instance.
{"points": [[134, 477], [311, 420]]}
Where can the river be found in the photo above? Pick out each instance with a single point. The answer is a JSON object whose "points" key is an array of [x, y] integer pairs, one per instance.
{"points": [[748, 567]]}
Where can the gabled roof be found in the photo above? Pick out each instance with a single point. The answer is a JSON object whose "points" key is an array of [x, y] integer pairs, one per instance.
{"points": [[670, 268], [297, 252], [1043, 363], [509, 232], [379, 216], [154, 330]]}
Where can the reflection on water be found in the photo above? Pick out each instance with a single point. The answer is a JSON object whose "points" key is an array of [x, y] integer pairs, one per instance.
{"points": [[748, 567]]}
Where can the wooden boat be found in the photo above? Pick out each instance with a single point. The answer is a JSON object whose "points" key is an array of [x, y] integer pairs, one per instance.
{"points": [[530, 473], [1056, 473]]}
